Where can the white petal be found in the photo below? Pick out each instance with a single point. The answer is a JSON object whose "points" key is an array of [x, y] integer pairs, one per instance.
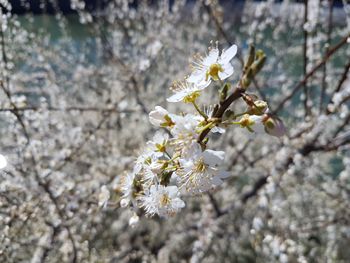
{"points": [[178, 203], [228, 71], [203, 84], [194, 151], [228, 54], [197, 76], [258, 126], [224, 174], [156, 117], [172, 190], [160, 137], [216, 181], [213, 158], [211, 58], [218, 130], [177, 97]]}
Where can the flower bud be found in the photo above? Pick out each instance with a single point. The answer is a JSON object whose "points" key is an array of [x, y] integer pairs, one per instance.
{"points": [[258, 108], [259, 62], [274, 126], [224, 90], [159, 117], [250, 59]]}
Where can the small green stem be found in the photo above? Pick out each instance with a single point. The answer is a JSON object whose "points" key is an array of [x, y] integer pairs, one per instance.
{"points": [[207, 126], [239, 115], [168, 155], [199, 110], [235, 122]]}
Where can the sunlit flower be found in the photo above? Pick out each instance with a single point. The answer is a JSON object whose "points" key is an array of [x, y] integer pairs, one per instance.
{"points": [[253, 123], [212, 66], [159, 143], [160, 117], [162, 200], [200, 170], [186, 91], [103, 197], [145, 159], [185, 130], [185, 125]]}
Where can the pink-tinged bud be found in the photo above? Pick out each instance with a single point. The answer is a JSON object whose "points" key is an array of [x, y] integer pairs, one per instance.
{"points": [[274, 126]]}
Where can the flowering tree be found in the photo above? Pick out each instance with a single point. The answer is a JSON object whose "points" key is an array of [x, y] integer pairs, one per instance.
{"points": [[222, 180]]}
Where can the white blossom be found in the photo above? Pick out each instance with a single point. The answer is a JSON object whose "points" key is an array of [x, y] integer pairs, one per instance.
{"points": [[160, 117], [186, 91], [201, 169], [213, 66], [162, 200]]}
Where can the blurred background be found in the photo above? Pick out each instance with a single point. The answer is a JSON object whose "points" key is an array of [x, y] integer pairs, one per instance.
{"points": [[77, 81]]}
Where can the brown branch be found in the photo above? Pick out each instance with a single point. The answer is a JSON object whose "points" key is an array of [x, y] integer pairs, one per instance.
{"points": [[222, 108], [312, 72]]}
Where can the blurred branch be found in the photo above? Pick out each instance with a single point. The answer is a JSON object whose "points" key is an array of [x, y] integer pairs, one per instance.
{"points": [[339, 86], [312, 72], [41, 183], [67, 109], [328, 41], [305, 59]]}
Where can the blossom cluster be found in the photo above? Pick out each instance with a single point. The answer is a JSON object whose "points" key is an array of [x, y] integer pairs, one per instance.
{"points": [[177, 161]]}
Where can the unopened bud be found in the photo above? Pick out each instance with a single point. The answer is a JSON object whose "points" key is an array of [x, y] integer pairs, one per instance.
{"points": [[274, 126], [258, 108], [250, 59], [258, 64], [245, 82]]}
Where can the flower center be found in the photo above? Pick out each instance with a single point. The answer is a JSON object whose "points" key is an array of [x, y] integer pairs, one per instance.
{"points": [[192, 97], [168, 122], [246, 122], [164, 200], [213, 71], [200, 166]]}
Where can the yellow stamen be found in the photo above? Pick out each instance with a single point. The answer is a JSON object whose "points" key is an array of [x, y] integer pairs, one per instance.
{"points": [[213, 71], [164, 200], [192, 97]]}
